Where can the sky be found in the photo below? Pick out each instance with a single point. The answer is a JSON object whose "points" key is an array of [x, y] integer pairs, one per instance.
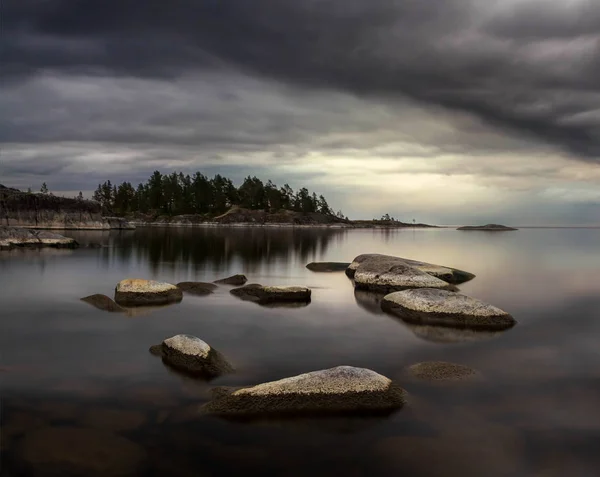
{"points": [[448, 112]]}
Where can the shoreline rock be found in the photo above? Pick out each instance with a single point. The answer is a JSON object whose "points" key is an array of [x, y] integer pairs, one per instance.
{"points": [[272, 294], [11, 237], [445, 308], [139, 292]]}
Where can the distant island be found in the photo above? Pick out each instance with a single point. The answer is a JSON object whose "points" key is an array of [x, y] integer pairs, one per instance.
{"points": [[488, 228]]}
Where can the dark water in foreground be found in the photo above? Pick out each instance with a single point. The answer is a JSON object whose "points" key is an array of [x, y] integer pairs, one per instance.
{"points": [[535, 412]]}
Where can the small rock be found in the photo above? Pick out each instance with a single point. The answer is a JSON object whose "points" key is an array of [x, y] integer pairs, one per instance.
{"points": [[441, 371], [192, 355], [138, 292], [445, 308], [197, 288], [341, 390], [272, 294], [104, 303], [328, 266], [235, 280], [375, 276]]}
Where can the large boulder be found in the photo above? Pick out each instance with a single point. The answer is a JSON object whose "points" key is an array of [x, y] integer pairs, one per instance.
{"points": [[328, 266], [341, 390], [19, 237], [104, 303], [392, 276], [235, 280], [445, 308], [197, 288], [272, 294], [447, 274], [139, 292], [74, 451], [192, 355]]}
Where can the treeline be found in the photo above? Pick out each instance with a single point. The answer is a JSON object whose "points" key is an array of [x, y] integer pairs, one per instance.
{"points": [[179, 194]]}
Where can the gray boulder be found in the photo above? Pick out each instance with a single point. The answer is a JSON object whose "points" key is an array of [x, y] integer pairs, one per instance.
{"points": [[235, 280], [139, 292], [192, 355], [102, 302], [447, 274], [392, 275], [272, 294], [197, 288], [19, 237], [328, 266], [341, 390], [445, 308]]}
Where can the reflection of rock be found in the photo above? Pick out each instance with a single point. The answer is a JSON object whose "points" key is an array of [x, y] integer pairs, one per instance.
{"points": [[17, 237], [370, 301], [341, 390], [390, 276], [235, 280], [116, 420], [447, 274], [445, 308], [328, 266], [488, 228], [272, 294], [441, 371], [73, 451], [102, 302], [138, 292], [197, 288], [444, 334], [192, 355]]}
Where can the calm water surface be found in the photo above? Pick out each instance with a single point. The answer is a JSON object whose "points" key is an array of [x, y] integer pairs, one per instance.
{"points": [[534, 412]]}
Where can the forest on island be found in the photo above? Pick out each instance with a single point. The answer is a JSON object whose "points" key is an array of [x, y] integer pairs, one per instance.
{"points": [[179, 194]]}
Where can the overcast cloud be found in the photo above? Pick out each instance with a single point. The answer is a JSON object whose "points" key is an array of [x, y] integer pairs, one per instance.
{"points": [[449, 111]]}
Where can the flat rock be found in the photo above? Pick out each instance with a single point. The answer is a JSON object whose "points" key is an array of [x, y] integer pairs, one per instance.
{"points": [[197, 288], [488, 227], [392, 276], [235, 280], [272, 294], [447, 274], [139, 292], [341, 390], [103, 302], [445, 308], [441, 371], [74, 451], [328, 266], [192, 355], [19, 237]]}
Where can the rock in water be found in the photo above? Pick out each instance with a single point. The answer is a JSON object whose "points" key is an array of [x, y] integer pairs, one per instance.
{"points": [[71, 451], [445, 308], [447, 274], [138, 292], [272, 294], [192, 355], [18, 237], [392, 276], [488, 228], [441, 371], [235, 280], [102, 302], [328, 266], [341, 390], [197, 288]]}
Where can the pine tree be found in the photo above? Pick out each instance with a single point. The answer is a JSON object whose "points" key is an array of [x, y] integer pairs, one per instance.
{"points": [[44, 189]]}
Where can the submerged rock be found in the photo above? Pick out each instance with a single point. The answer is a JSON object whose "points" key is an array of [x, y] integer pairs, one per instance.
{"points": [[441, 371], [487, 227], [138, 292], [70, 451], [445, 308], [272, 294], [341, 390], [392, 275], [18, 237], [197, 288], [447, 274], [235, 280], [192, 355], [102, 302], [328, 266], [444, 334]]}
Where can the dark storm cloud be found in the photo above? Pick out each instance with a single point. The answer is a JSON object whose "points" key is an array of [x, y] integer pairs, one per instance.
{"points": [[529, 67]]}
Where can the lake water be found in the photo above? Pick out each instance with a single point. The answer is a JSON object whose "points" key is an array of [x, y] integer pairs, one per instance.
{"points": [[534, 412]]}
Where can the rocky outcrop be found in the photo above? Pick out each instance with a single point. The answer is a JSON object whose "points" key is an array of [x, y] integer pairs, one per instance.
{"points": [[392, 275], [488, 228], [192, 355], [445, 308], [118, 223], [328, 266], [447, 274], [139, 292], [45, 211], [197, 288], [441, 371], [341, 390], [235, 280], [19, 237], [104, 303], [272, 294]]}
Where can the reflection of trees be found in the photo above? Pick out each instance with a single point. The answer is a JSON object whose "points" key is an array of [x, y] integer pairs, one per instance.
{"points": [[218, 247]]}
